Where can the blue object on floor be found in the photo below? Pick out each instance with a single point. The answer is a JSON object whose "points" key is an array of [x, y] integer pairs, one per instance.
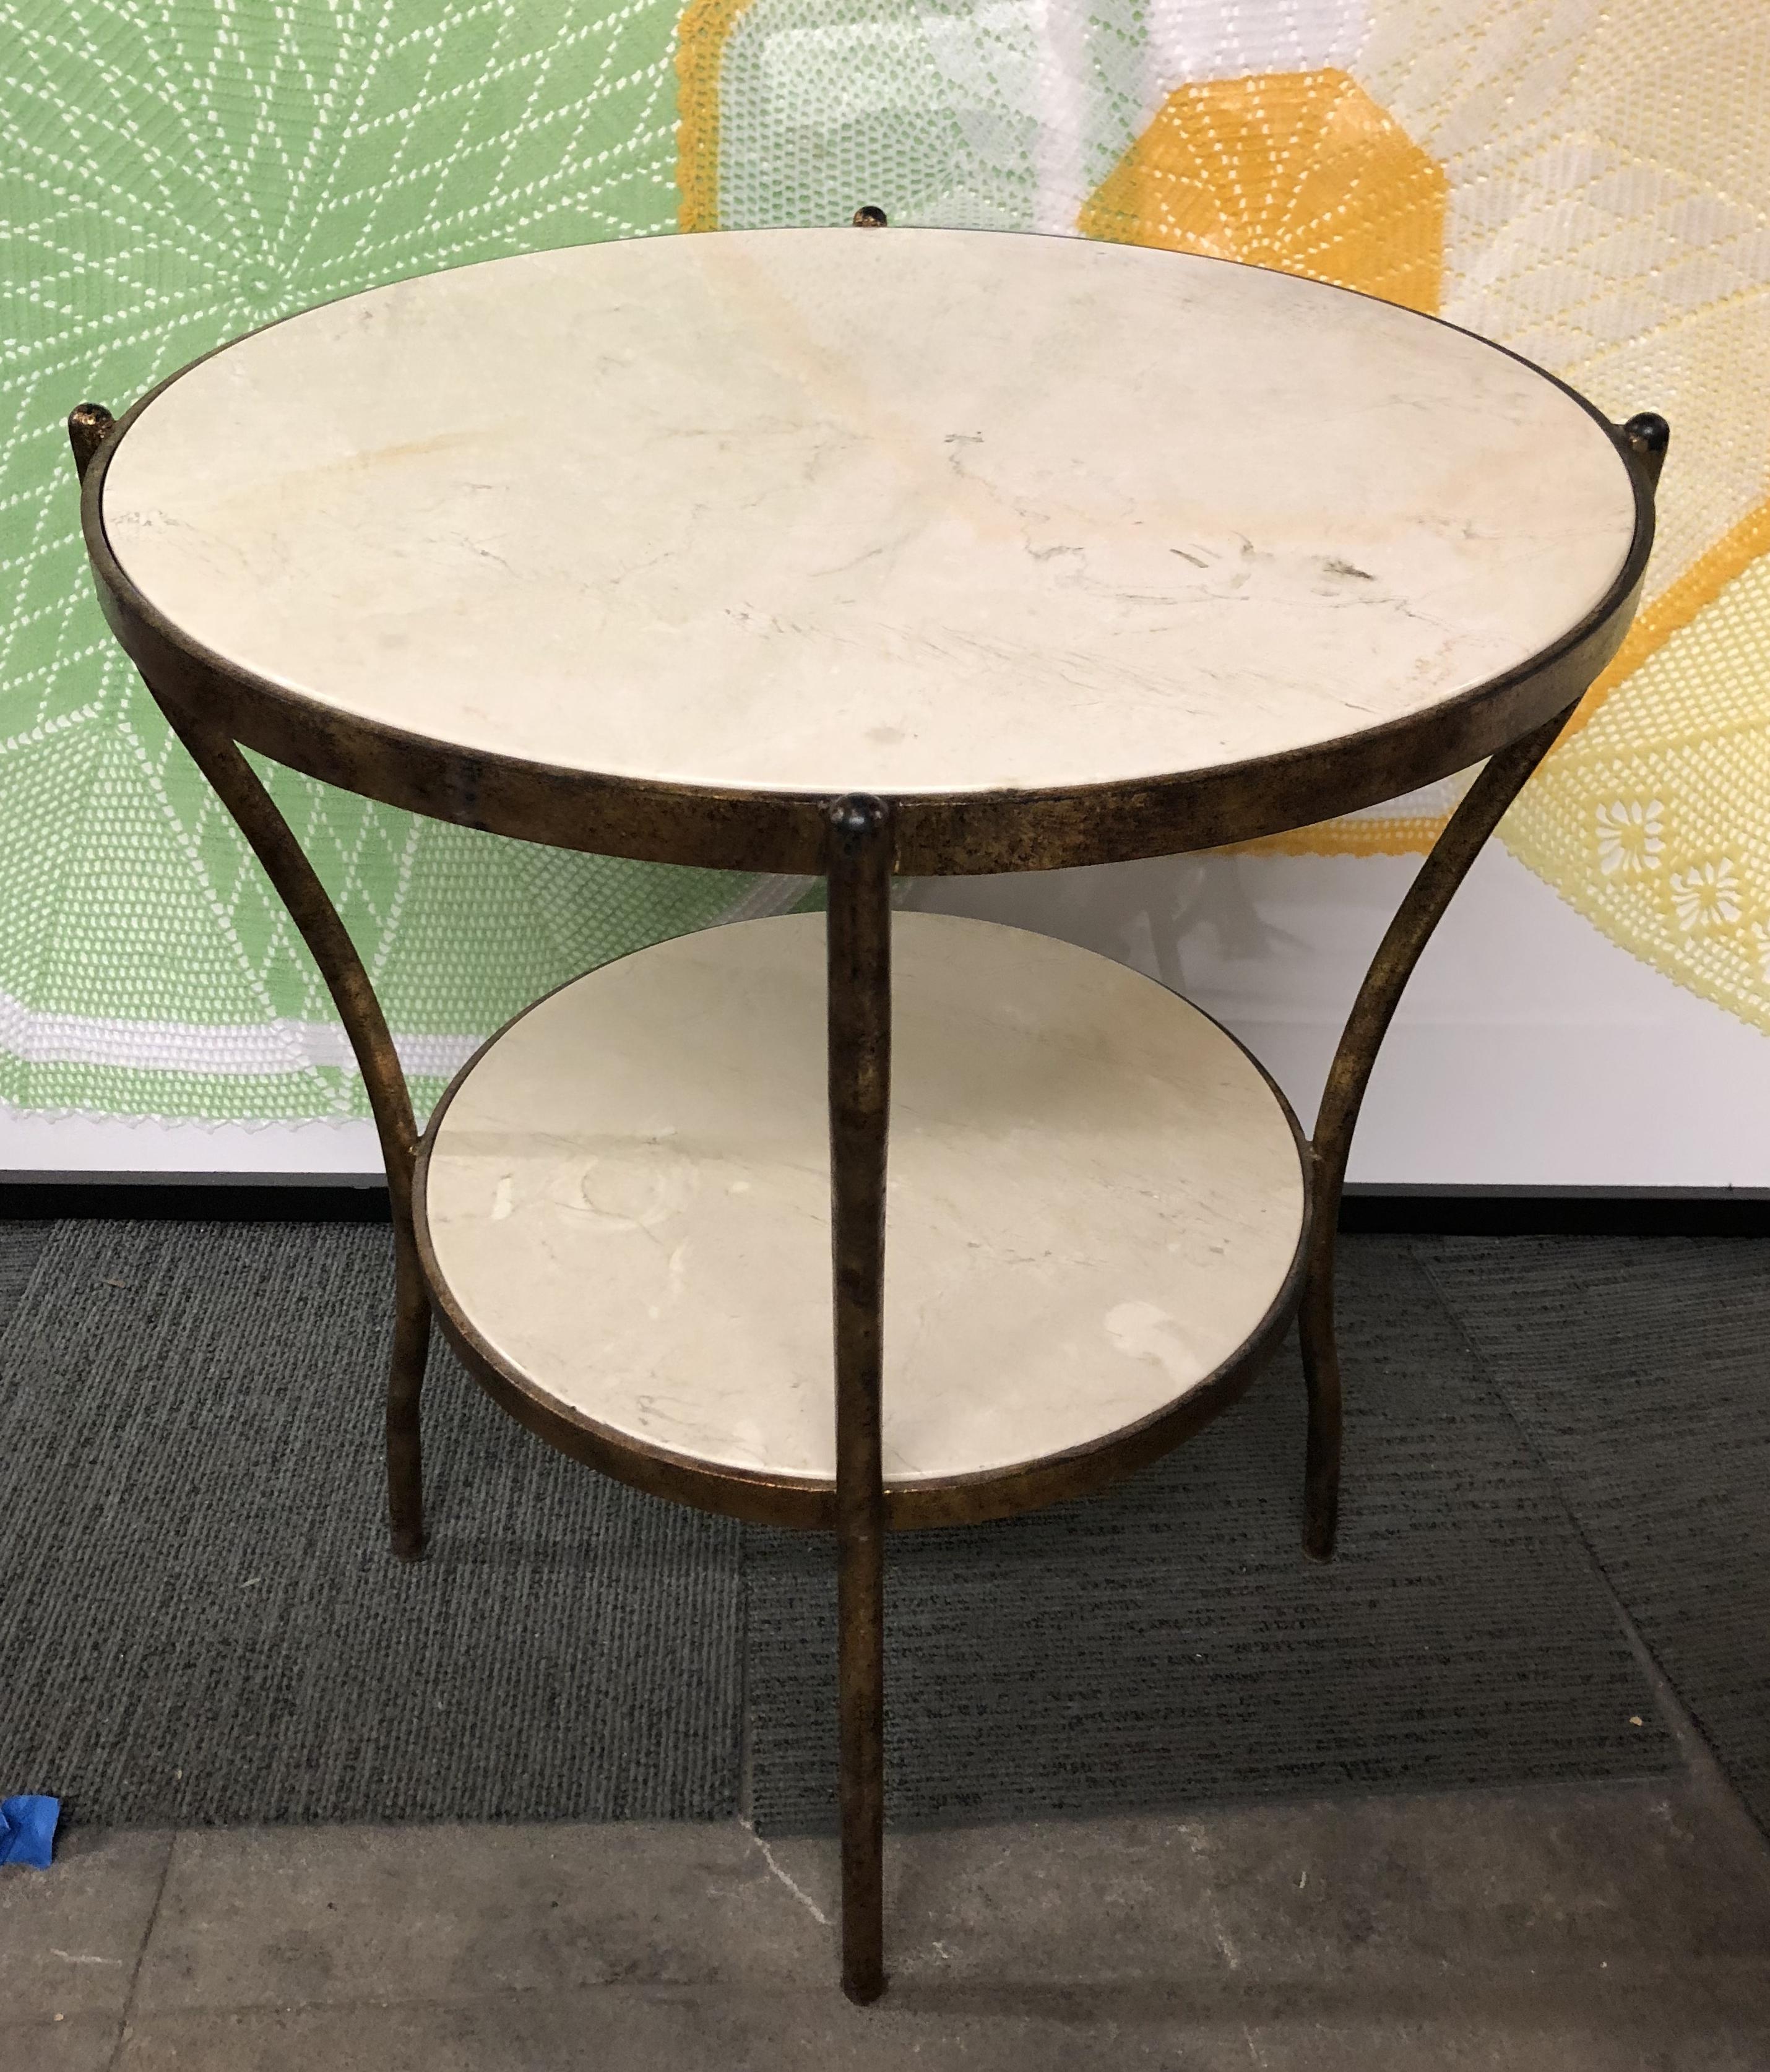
{"points": [[27, 1830]]}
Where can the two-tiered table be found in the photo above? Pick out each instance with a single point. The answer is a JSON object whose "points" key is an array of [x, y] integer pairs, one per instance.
{"points": [[864, 553]]}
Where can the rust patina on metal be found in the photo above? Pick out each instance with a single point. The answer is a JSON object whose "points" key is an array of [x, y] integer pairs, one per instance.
{"points": [[858, 928]]}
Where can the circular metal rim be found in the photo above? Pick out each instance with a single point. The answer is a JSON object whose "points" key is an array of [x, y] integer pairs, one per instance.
{"points": [[761, 1499], [939, 834]]}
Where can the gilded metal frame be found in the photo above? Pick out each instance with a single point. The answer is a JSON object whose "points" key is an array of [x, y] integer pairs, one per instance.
{"points": [[859, 842]]}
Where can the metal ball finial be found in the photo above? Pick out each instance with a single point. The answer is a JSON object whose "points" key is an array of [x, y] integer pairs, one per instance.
{"points": [[1647, 435], [89, 424]]}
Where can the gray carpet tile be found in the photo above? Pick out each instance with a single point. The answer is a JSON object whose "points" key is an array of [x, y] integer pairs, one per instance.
{"points": [[1640, 1369], [21, 1246], [199, 1622], [1166, 1644]]}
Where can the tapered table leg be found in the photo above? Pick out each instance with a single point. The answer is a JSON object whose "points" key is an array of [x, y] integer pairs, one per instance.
{"points": [[265, 829], [860, 1035], [1644, 440], [235, 783], [1501, 779]]}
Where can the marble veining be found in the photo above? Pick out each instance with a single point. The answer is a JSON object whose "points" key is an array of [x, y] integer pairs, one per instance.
{"points": [[1093, 1197], [903, 510]]}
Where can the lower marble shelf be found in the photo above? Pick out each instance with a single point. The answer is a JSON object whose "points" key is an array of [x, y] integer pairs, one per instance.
{"points": [[1095, 1201]]}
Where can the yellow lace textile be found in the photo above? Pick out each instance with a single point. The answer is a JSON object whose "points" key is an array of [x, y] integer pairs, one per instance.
{"points": [[1586, 183]]}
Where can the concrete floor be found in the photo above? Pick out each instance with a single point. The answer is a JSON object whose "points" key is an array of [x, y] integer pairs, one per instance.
{"points": [[1559, 1930], [1616, 1928]]}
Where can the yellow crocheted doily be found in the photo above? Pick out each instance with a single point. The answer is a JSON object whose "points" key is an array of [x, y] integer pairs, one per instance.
{"points": [[1585, 183], [1298, 170]]}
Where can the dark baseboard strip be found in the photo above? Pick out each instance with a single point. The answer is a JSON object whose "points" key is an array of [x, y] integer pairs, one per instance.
{"points": [[229, 1197], [1397, 1211], [1558, 1211]]}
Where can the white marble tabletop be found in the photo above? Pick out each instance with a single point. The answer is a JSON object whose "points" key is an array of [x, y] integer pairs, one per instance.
{"points": [[901, 511]]}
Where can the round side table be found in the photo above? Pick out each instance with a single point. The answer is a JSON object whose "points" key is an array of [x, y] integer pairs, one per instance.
{"points": [[916, 553]]}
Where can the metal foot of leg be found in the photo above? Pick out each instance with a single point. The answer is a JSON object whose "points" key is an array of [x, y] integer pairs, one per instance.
{"points": [[404, 1393], [1321, 1376], [860, 1595]]}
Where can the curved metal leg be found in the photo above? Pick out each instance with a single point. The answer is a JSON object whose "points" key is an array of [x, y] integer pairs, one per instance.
{"points": [[236, 785], [859, 925], [1643, 441], [1444, 870]]}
